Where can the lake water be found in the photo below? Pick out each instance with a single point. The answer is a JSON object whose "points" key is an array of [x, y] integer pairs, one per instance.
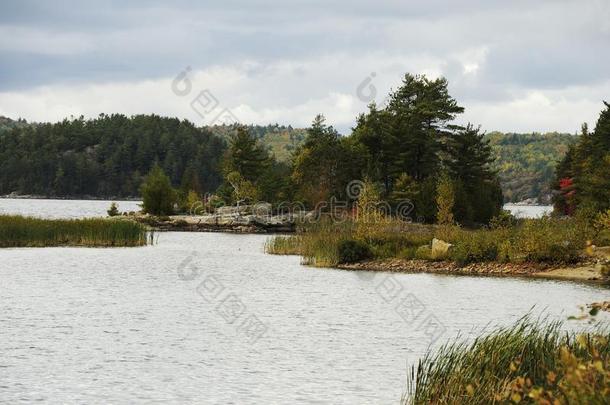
{"points": [[528, 211], [94, 208], [210, 318], [47, 208]]}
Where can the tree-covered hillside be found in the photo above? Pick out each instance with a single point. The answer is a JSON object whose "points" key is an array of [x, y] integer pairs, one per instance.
{"points": [[6, 124], [526, 162], [107, 156], [280, 140], [56, 159]]}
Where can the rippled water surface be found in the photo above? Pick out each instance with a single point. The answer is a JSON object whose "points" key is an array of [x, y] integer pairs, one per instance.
{"points": [[62, 208], [130, 324]]}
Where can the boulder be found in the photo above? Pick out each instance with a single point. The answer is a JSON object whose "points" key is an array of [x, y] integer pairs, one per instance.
{"points": [[260, 209], [440, 249]]}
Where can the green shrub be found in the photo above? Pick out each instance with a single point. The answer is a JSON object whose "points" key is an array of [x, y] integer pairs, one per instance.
{"points": [[351, 251], [113, 211], [503, 220], [475, 246], [548, 240], [407, 253], [423, 253]]}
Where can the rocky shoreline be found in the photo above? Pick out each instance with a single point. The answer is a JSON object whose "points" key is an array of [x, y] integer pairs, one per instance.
{"points": [[583, 272], [235, 223]]}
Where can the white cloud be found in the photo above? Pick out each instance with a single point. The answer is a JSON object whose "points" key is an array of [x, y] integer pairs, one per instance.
{"points": [[293, 92], [518, 66], [541, 110]]}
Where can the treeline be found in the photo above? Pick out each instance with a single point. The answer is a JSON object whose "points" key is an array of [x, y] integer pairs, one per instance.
{"points": [[402, 151], [107, 156], [583, 177], [526, 163], [408, 150]]}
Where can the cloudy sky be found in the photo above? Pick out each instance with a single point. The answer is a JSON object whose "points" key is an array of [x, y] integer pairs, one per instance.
{"points": [[514, 66]]}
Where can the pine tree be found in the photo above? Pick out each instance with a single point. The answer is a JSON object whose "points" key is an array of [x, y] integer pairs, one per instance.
{"points": [[157, 193], [246, 155]]}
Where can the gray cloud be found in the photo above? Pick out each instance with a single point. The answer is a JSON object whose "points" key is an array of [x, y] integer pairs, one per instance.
{"points": [[289, 56]]}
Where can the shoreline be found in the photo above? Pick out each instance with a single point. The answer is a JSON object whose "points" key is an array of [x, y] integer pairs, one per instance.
{"points": [[583, 272], [230, 223]]}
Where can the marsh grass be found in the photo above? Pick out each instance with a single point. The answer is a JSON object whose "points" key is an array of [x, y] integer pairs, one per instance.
{"points": [[18, 231], [320, 243], [283, 245], [545, 240], [531, 362]]}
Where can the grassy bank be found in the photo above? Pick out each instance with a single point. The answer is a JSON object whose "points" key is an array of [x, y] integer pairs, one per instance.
{"points": [[17, 231], [545, 241], [530, 362]]}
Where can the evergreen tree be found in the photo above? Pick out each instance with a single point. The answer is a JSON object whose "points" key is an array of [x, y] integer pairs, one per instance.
{"points": [[318, 164], [582, 178], [468, 157], [246, 155], [157, 193], [407, 142]]}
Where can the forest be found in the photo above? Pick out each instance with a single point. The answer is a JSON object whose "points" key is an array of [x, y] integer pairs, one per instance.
{"points": [[526, 163], [105, 157], [582, 180], [402, 148]]}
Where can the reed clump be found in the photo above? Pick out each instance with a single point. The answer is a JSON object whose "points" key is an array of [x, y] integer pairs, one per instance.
{"points": [[544, 240], [529, 362], [18, 231]]}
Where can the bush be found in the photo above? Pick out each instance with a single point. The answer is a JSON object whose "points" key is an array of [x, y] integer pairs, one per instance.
{"points": [[601, 226], [113, 211], [475, 246], [503, 220], [548, 240], [351, 251], [423, 253]]}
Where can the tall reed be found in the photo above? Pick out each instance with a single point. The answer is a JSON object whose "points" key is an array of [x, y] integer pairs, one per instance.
{"points": [[18, 231], [531, 361]]}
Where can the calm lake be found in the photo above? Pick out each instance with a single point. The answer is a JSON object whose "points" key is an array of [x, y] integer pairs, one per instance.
{"points": [[210, 318], [47, 208]]}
